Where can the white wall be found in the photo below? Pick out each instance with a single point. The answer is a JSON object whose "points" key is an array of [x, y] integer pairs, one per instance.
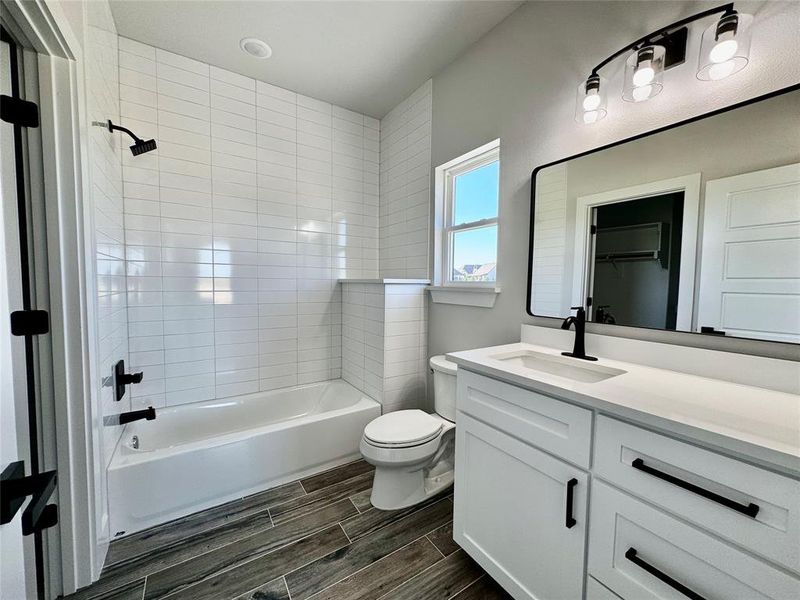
{"points": [[238, 227], [405, 187], [518, 84]]}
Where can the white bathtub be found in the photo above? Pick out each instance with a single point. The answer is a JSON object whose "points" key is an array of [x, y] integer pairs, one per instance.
{"points": [[196, 456]]}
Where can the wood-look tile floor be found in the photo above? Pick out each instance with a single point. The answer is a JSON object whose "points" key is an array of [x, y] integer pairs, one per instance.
{"points": [[317, 538]]}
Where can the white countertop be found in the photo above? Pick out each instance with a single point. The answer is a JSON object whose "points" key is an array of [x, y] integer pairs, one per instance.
{"points": [[756, 424]]}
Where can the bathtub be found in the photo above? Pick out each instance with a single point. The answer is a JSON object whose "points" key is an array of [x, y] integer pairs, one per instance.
{"points": [[196, 456]]}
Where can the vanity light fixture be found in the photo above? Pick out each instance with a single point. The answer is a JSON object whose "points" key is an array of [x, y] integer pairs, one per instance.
{"points": [[724, 50], [725, 47]]}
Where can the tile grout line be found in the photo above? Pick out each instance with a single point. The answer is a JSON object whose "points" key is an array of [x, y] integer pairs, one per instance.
{"points": [[434, 545], [466, 586], [358, 510], [469, 585], [286, 584]]}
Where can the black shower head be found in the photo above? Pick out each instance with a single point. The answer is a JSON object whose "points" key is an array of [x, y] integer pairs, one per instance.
{"points": [[142, 146]]}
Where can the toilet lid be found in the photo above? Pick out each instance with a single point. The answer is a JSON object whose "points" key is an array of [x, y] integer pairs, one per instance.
{"points": [[403, 428]]}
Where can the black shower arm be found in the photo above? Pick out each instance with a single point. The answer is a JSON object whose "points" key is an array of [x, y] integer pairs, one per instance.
{"points": [[112, 127]]}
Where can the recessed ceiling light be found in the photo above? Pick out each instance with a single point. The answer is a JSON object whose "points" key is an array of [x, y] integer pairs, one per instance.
{"points": [[255, 47]]}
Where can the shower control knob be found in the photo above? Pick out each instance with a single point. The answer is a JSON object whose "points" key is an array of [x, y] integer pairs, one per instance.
{"points": [[121, 379]]}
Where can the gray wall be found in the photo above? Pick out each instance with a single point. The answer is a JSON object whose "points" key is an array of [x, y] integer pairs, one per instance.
{"points": [[518, 83]]}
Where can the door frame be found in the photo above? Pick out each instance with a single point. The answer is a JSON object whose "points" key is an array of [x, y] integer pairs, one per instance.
{"points": [[690, 185], [71, 281]]}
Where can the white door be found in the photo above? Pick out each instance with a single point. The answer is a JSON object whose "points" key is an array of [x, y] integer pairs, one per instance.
{"points": [[17, 571], [520, 513], [750, 267]]}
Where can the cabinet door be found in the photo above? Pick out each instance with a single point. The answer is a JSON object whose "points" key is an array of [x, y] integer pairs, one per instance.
{"points": [[511, 513]]}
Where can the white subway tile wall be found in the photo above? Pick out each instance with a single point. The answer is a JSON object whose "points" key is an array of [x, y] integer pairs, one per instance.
{"points": [[551, 292], [238, 227], [405, 187], [105, 176], [384, 342]]}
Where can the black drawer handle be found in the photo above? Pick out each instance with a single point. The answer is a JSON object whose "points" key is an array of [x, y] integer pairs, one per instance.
{"points": [[751, 510], [570, 520], [630, 554]]}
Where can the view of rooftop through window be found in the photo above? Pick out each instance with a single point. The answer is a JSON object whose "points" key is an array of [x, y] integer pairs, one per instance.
{"points": [[475, 199]]}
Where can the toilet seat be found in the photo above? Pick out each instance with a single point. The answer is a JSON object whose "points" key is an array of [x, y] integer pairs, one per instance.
{"points": [[403, 429]]}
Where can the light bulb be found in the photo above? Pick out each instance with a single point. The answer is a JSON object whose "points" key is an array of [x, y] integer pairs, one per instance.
{"points": [[723, 51], [590, 117], [721, 70], [643, 75], [642, 93], [592, 101]]}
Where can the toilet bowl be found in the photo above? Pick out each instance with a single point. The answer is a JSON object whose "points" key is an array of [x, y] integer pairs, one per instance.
{"points": [[413, 451]]}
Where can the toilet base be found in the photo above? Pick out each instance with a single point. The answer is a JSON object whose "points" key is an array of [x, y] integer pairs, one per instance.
{"points": [[395, 488]]}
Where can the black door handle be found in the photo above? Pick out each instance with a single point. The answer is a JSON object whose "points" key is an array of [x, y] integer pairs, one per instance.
{"points": [[751, 510], [570, 520], [632, 556]]}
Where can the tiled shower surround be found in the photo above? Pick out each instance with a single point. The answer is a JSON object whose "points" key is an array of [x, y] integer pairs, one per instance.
{"points": [[384, 341], [238, 228]]}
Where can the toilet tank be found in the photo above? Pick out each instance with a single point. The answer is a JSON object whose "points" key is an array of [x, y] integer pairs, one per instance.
{"points": [[444, 387]]}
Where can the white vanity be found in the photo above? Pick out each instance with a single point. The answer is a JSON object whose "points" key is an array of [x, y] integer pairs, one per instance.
{"points": [[615, 479]]}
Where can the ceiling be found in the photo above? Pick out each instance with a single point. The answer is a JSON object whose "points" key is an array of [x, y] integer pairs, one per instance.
{"points": [[363, 55]]}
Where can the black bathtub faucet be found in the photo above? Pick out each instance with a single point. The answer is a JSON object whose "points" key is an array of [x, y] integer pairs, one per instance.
{"points": [[148, 413], [579, 320]]}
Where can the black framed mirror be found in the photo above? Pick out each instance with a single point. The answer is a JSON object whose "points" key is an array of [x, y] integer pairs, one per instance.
{"points": [[693, 227]]}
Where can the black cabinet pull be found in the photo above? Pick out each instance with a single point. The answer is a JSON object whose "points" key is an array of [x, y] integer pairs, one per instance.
{"points": [[631, 555], [570, 520], [751, 510]]}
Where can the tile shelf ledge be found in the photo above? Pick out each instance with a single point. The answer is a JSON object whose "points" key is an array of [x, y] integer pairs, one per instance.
{"points": [[465, 295], [393, 280]]}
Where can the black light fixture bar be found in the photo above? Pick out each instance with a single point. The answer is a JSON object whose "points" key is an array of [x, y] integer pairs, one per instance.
{"points": [[662, 33]]}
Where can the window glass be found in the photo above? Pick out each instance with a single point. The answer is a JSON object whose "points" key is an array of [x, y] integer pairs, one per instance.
{"points": [[475, 194], [474, 254]]}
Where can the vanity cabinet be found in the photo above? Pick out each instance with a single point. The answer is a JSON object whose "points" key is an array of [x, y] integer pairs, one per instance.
{"points": [[542, 483], [519, 512]]}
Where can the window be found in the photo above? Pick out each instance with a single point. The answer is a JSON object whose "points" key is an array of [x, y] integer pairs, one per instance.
{"points": [[468, 217]]}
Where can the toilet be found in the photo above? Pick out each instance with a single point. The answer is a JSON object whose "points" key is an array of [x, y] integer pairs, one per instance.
{"points": [[413, 451]]}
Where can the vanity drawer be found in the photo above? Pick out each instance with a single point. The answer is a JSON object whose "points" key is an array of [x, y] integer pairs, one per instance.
{"points": [[640, 552], [705, 488], [555, 426]]}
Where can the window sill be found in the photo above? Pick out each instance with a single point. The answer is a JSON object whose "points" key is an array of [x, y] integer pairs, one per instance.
{"points": [[483, 297]]}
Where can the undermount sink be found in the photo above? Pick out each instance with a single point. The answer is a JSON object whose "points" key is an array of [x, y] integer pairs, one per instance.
{"points": [[569, 368]]}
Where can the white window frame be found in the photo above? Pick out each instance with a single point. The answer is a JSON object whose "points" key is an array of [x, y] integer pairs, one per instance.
{"points": [[445, 178]]}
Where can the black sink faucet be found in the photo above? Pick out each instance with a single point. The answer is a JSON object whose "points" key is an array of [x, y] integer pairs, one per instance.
{"points": [[579, 320]]}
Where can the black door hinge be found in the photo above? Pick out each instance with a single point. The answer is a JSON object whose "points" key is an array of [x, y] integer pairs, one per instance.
{"points": [[593, 229], [18, 111], [588, 302], [29, 322], [15, 487]]}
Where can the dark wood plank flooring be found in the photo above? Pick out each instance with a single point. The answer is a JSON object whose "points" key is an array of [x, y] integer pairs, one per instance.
{"points": [[318, 538]]}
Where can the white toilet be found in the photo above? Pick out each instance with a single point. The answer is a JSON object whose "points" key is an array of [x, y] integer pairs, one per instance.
{"points": [[413, 451]]}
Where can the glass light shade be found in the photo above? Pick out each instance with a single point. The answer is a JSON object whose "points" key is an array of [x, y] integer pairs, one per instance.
{"points": [[644, 72], [725, 47], [590, 104]]}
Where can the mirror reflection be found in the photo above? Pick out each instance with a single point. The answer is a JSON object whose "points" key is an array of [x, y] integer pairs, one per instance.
{"points": [[696, 228]]}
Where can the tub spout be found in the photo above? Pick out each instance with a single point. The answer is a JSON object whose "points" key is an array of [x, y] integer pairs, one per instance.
{"points": [[148, 413]]}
